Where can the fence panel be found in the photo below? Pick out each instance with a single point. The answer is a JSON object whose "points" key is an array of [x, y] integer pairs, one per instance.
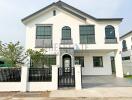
{"points": [[10, 74], [40, 74]]}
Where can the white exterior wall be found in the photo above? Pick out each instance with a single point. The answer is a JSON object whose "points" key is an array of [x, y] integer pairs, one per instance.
{"points": [[128, 41], [65, 19], [89, 69], [127, 64], [10, 86], [62, 19]]}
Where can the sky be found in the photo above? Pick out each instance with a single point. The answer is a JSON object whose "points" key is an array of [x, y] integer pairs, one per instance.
{"points": [[12, 11]]}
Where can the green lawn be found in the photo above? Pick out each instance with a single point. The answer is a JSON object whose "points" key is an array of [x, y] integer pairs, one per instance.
{"points": [[128, 76]]}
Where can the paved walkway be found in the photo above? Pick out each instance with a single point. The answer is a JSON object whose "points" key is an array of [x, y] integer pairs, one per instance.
{"points": [[104, 93], [95, 92], [105, 81]]}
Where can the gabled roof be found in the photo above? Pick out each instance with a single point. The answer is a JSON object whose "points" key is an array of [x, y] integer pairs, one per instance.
{"points": [[71, 10], [130, 32]]}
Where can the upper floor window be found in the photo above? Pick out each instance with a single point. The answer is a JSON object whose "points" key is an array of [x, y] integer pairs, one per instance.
{"points": [[87, 34], [44, 32], [124, 45], [66, 33], [109, 32]]}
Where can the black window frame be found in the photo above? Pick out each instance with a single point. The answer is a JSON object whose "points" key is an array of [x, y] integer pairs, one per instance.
{"points": [[126, 58], [79, 58], [87, 33], [124, 45], [95, 58], [108, 30], [44, 36], [66, 28]]}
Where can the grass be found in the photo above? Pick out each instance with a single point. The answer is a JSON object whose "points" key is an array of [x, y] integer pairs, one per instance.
{"points": [[128, 76]]}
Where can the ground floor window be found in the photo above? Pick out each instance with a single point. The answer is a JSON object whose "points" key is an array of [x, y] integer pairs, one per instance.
{"points": [[50, 60], [126, 58], [47, 61], [98, 61], [79, 60]]}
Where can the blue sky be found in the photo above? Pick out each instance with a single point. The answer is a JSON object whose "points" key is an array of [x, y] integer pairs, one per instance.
{"points": [[12, 11]]}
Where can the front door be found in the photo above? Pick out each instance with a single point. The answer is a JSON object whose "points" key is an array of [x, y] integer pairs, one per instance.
{"points": [[113, 65], [66, 63], [66, 73]]}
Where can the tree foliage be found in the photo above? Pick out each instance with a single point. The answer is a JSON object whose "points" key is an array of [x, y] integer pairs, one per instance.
{"points": [[14, 53], [37, 57]]}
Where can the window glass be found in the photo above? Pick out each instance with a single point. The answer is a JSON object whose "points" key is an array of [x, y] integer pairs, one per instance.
{"points": [[109, 32], [80, 61], [124, 45], [43, 32], [126, 58], [87, 34], [97, 61], [66, 33]]}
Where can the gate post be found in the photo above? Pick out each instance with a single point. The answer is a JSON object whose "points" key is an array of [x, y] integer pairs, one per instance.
{"points": [[24, 78], [55, 76], [78, 84]]}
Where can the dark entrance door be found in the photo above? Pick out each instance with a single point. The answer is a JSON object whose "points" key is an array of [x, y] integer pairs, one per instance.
{"points": [[66, 63], [66, 73], [113, 65]]}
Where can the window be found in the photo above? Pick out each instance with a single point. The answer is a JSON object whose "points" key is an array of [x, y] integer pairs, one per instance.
{"points": [[44, 32], [80, 61], [48, 61], [126, 58], [124, 45], [109, 32], [98, 61], [87, 34], [54, 13], [66, 33]]}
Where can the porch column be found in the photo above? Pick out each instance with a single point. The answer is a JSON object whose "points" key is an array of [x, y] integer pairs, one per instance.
{"points": [[78, 82], [118, 64], [24, 78]]}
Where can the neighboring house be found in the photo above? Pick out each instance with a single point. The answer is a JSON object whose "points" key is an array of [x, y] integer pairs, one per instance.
{"points": [[72, 37], [126, 44]]}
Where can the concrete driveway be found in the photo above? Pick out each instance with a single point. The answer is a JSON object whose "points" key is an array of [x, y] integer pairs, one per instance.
{"points": [[105, 81]]}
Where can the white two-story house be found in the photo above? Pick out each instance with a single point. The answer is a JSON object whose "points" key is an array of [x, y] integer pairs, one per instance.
{"points": [[126, 44], [72, 37]]}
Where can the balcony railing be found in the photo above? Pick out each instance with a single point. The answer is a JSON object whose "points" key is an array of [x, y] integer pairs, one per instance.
{"points": [[43, 43], [124, 49], [110, 41], [67, 41]]}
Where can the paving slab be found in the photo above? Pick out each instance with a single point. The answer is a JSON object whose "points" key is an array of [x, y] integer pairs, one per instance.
{"points": [[95, 92]]}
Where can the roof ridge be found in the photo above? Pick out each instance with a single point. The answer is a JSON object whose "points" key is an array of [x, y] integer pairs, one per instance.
{"points": [[126, 34], [73, 9]]}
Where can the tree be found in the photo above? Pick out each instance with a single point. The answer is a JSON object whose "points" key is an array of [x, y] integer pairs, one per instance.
{"points": [[14, 53], [37, 57]]}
